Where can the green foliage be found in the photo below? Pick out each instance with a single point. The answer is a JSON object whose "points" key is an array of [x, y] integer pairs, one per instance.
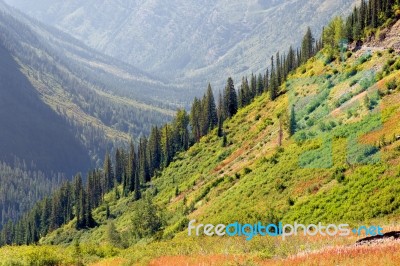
{"points": [[113, 236], [146, 220], [391, 85]]}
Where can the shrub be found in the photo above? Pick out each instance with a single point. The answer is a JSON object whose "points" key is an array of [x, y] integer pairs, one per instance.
{"points": [[280, 187], [365, 58], [353, 82], [329, 59], [397, 65], [339, 174], [246, 170], [146, 219], [391, 85], [390, 62], [290, 201], [351, 72]]}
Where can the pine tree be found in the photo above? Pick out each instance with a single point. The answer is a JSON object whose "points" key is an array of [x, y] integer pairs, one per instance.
{"points": [[142, 159], [79, 200], [154, 150], [220, 131], [195, 119], [291, 59], [266, 81], [131, 169], [137, 194], [230, 99], [278, 69], [292, 123], [273, 82], [113, 236], [166, 145], [45, 216], [253, 88], [260, 84], [210, 110], [119, 166], [108, 173], [307, 46], [181, 132]]}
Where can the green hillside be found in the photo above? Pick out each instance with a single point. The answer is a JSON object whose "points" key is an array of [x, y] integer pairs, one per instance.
{"points": [[341, 165], [325, 149]]}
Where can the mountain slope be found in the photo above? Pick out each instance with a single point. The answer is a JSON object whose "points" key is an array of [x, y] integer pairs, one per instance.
{"points": [[31, 130], [341, 165], [104, 101], [187, 40]]}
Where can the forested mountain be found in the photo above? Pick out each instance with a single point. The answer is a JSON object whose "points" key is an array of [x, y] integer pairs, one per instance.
{"points": [[187, 41], [313, 139], [104, 101], [30, 129], [317, 139], [62, 105]]}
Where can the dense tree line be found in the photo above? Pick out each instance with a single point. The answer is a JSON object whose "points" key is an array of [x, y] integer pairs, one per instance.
{"points": [[84, 87], [361, 23], [131, 169], [21, 186]]}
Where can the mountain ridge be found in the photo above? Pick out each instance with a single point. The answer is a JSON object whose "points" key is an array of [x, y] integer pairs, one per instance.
{"points": [[225, 34]]}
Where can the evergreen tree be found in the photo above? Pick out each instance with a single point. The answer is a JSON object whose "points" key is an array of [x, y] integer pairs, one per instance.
{"points": [[291, 60], [113, 236], [78, 201], [210, 110], [181, 132], [260, 84], [154, 150], [142, 159], [137, 194], [273, 82], [220, 131], [307, 46], [266, 81], [230, 99], [253, 87], [195, 119], [166, 145], [292, 122], [108, 173], [119, 166]]}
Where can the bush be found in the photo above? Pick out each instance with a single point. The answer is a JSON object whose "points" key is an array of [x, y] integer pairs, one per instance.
{"points": [[339, 174], [246, 170], [329, 59], [290, 201], [365, 58], [397, 65], [351, 72], [146, 219], [390, 62], [391, 85], [353, 82]]}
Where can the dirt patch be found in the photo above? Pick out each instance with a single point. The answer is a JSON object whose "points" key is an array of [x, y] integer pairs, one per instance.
{"points": [[374, 239]]}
